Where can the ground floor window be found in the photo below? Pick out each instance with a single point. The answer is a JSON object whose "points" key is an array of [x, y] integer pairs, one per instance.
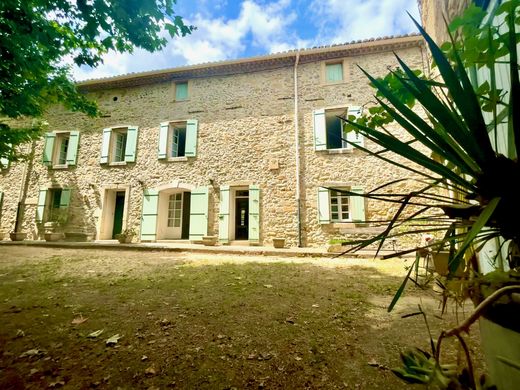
{"points": [[339, 206]]}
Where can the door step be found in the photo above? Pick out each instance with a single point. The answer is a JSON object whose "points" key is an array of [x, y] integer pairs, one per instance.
{"points": [[174, 241], [239, 243]]}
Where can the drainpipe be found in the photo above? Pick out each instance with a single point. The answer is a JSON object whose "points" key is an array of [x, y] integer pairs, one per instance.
{"points": [[297, 149]]}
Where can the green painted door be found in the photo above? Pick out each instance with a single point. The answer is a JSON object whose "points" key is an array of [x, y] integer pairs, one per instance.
{"points": [[118, 213]]}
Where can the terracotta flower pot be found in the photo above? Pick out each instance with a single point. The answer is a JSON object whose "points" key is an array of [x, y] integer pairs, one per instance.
{"points": [[279, 242]]}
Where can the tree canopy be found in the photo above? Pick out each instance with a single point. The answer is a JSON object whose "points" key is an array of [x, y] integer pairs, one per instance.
{"points": [[37, 36]]}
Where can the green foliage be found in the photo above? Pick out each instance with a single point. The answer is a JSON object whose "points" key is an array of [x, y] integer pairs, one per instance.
{"points": [[37, 36], [456, 152]]}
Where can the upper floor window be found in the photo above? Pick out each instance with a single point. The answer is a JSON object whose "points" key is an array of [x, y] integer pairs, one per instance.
{"points": [[334, 72], [178, 139], [61, 149], [181, 91], [119, 145], [329, 129]]}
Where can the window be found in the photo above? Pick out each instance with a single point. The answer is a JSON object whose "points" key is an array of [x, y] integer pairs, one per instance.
{"points": [[178, 139], [119, 145], [337, 205], [61, 149], [181, 91], [334, 72], [174, 210], [328, 129], [53, 204]]}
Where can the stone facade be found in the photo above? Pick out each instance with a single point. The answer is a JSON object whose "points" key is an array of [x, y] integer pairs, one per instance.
{"points": [[246, 137]]}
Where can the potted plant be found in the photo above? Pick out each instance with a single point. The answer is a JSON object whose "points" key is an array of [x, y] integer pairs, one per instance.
{"points": [[126, 236], [279, 242], [17, 236], [464, 162], [53, 229], [209, 240]]}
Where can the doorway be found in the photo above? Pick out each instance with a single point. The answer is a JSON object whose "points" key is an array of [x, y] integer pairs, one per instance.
{"points": [[173, 215], [119, 208], [242, 215]]}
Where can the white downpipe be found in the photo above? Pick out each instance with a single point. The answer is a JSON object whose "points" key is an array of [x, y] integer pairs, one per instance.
{"points": [[297, 148]]}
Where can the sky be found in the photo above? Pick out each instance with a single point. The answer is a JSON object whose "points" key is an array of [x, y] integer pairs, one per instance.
{"points": [[236, 29]]}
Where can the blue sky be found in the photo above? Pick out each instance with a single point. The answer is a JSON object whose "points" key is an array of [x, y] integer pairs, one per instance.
{"points": [[235, 29]]}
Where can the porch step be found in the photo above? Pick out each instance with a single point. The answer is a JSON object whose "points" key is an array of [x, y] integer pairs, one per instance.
{"points": [[239, 243], [174, 241]]}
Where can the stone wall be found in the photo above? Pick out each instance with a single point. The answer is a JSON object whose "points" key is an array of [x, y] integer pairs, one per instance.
{"points": [[245, 136]]}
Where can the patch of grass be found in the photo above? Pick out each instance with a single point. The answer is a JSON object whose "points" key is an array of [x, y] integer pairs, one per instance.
{"points": [[219, 326]]}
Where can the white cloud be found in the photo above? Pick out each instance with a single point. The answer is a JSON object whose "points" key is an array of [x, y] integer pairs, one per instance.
{"points": [[342, 21]]}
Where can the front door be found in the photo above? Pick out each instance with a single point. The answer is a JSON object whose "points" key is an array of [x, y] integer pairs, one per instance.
{"points": [[241, 218], [173, 228], [119, 208]]}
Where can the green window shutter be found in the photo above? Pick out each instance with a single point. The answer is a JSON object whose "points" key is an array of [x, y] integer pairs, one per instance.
{"points": [[192, 126], [354, 136], [149, 215], [334, 72], [72, 151], [320, 129], [48, 148], [105, 145], [223, 215], [199, 213], [40, 209], [4, 163], [1, 200], [323, 205], [357, 205], [163, 140], [181, 91], [131, 144], [254, 214], [65, 198]]}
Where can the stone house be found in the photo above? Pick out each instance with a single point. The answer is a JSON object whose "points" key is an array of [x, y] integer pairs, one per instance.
{"points": [[246, 150]]}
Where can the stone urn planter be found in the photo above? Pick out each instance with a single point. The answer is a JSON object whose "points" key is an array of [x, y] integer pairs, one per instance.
{"points": [[52, 236], [17, 236], [124, 238], [209, 240], [279, 242], [3, 235]]}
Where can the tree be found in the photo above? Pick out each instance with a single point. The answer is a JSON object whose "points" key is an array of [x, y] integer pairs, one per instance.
{"points": [[36, 36]]}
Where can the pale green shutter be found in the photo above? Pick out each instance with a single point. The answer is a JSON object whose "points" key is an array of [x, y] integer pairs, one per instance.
{"points": [[223, 215], [48, 148], [357, 204], [323, 205], [199, 213], [72, 151], [131, 144], [254, 214], [354, 136], [65, 198], [181, 91], [149, 215], [163, 140], [191, 137], [40, 209], [334, 72], [105, 145], [320, 129]]}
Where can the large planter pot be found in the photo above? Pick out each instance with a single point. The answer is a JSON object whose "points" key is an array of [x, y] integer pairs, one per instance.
{"points": [[279, 242], [17, 236], [440, 262], [209, 240], [501, 347], [78, 236], [2, 235], [52, 236], [124, 239]]}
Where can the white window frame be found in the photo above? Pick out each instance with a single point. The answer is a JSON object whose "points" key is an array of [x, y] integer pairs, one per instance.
{"points": [[60, 139], [343, 200], [172, 149], [114, 137]]}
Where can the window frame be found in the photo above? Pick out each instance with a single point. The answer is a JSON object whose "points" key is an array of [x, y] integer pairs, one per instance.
{"points": [[173, 128], [116, 134], [341, 199], [61, 137], [344, 72], [330, 64]]}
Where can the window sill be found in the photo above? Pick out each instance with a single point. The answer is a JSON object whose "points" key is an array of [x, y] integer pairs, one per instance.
{"points": [[181, 100], [337, 151], [333, 83], [60, 166], [117, 163], [356, 227], [177, 159]]}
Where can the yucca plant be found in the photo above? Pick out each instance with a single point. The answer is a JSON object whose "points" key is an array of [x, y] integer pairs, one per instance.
{"points": [[464, 151]]}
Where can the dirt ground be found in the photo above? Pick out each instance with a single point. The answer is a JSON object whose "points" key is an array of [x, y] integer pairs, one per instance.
{"points": [[82, 319]]}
